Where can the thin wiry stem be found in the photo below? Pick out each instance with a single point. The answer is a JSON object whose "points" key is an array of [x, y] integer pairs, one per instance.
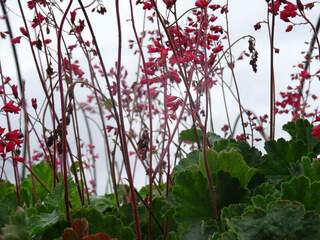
{"points": [[150, 118], [63, 116], [272, 77]]}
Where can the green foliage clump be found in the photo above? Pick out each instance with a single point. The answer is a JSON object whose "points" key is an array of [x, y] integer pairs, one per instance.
{"points": [[275, 195]]}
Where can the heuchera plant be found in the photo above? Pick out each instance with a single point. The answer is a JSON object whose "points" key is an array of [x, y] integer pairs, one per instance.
{"points": [[201, 182]]}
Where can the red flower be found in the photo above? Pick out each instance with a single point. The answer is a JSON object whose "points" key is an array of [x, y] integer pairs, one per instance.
{"points": [[147, 5], [38, 19], [79, 28], [259, 128], [34, 103], [316, 132], [10, 108], [109, 128], [31, 4], [174, 76], [216, 29], [201, 3], [13, 136], [305, 74], [274, 8], [241, 138], [16, 40], [173, 103], [225, 128], [10, 146], [289, 28], [257, 26], [290, 10], [18, 159], [14, 90], [47, 41], [214, 6], [24, 31], [37, 156], [213, 37], [219, 48], [7, 80], [10, 141], [169, 3], [74, 67], [73, 16]]}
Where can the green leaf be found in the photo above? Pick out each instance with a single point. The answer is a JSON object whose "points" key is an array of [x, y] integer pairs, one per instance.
{"points": [[310, 168], [112, 225], [225, 144], [191, 196], [42, 221], [8, 202], [266, 189], [44, 173], [17, 227], [123, 191], [191, 135], [224, 236], [262, 202], [15, 232], [6, 189], [125, 214], [108, 223], [281, 220], [144, 191], [104, 203], [191, 161], [233, 210], [300, 130], [55, 200], [301, 189], [94, 217], [54, 231], [229, 190], [199, 230], [126, 234], [280, 156], [251, 155], [213, 138], [231, 162], [310, 228], [173, 236], [115, 228]]}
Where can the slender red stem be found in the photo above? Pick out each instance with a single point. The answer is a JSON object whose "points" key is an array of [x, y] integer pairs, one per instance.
{"points": [[63, 116]]}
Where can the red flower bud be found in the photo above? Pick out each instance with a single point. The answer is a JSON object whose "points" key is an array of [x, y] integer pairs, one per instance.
{"points": [[14, 90], [73, 16], [24, 31], [34, 103], [16, 40], [201, 3]]}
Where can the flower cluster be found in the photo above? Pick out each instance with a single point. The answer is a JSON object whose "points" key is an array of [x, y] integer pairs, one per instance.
{"points": [[10, 142]]}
